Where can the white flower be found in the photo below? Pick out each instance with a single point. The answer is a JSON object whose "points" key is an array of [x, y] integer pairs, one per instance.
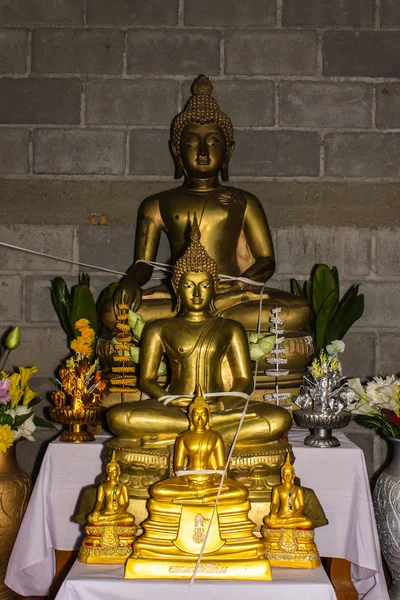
{"points": [[383, 393], [27, 427], [358, 389], [335, 347]]}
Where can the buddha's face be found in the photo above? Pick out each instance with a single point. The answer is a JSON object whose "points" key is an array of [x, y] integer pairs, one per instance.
{"points": [[200, 418], [287, 476], [203, 150], [196, 291], [112, 472]]}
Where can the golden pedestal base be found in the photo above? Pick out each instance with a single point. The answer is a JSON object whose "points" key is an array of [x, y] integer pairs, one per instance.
{"points": [[174, 536], [258, 470], [292, 548], [108, 544], [139, 568]]}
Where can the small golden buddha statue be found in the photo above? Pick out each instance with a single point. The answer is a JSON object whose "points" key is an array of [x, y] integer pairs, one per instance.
{"points": [[234, 230], [110, 528], [288, 532], [201, 349], [182, 519]]}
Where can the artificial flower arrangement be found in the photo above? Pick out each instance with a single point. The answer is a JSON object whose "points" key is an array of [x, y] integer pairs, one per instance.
{"points": [[327, 391], [377, 404], [17, 416]]}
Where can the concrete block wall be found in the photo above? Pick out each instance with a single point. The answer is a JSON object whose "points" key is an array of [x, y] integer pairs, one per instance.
{"points": [[88, 88]]}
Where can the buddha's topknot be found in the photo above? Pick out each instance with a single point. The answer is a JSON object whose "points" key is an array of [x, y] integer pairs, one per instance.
{"points": [[201, 108]]}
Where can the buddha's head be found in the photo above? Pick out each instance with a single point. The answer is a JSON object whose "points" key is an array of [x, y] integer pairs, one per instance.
{"points": [[113, 469], [199, 412], [202, 135], [195, 276], [287, 471]]}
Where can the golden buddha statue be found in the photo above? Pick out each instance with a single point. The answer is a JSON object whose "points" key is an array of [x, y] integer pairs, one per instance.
{"points": [[234, 230], [183, 521], [110, 528], [206, 350], [288, 532]]}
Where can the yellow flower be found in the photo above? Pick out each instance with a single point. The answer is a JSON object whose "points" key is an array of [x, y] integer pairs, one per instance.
{"points": [[87, 334], [13, 339], [79, 345], [15, 391], [28, 395], [81, 323], [26, 373], [5, 438]]}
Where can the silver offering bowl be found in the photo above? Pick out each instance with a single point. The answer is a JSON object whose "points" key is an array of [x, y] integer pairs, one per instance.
{"points": [[321, 425]]}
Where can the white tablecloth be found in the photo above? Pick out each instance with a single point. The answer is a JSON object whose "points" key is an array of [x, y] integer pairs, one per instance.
{"points": [[98, 582], [337, 475]]}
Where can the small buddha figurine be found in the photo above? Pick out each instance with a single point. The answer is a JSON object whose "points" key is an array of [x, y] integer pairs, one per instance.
{"points": [[110, 528], [203, 450], [183, 521], [233, 225], [288, 532], [201, 349]]}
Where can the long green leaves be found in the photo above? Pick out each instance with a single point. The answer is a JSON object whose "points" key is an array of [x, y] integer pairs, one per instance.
{"points": [[331, 317]]}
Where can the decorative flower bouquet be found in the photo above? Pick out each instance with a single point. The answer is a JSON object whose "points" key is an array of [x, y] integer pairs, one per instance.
{"points": [[377, 404], [326, 392], [17, 416]]}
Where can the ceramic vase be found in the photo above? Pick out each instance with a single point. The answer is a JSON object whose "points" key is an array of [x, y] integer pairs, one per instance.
{"points": [[386, 499], [15, 487]]}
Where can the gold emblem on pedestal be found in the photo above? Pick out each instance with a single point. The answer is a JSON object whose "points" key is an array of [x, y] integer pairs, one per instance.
{"points": [[110, 528], [287, 532], [182, 517]]}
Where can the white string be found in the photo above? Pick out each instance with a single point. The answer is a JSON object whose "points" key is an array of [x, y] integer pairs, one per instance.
{"points": [[166, 399], [224, 474], [157, 265]]}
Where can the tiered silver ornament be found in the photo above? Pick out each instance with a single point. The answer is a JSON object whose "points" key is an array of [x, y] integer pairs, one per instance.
{"points": [[277, 360]]}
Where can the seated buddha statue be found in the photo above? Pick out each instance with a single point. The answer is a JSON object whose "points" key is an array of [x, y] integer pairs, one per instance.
{"points": [[184, 522], [201, 349], [287, 504], [112, 500], [110, 529], [288, 532], [203, 449], [233, 226]]}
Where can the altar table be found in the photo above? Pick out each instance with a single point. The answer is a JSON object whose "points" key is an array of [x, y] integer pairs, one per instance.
{"points": [[98, 582], [337, 475]]}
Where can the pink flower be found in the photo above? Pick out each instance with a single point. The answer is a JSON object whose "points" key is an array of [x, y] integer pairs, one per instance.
{"points": [[4, 387]]}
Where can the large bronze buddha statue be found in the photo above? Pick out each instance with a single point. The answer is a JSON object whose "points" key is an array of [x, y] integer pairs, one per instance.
{"points": [[201, 349], [233, 227]]}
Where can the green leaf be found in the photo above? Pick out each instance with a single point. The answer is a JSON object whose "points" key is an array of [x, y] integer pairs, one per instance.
{"points": [[6, 419], [20, 419], [296, 288], [39, 422], [351, 308], [335, 273], [62, 303], [307, 287], [323, 285], [34, 401], [322, 321], [83, 307]]}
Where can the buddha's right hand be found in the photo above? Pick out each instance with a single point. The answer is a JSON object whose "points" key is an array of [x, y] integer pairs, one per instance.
{"points": [[128, 292]]}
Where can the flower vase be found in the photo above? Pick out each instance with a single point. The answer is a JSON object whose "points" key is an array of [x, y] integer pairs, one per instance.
{"points": [[386, 499], [15, 487]]}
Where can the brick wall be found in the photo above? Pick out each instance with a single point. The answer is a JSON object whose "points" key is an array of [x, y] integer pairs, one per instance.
{"points": [[88, 89]]}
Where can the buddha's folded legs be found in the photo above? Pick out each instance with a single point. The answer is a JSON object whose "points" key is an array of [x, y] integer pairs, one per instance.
{"points": [[151, 419]]}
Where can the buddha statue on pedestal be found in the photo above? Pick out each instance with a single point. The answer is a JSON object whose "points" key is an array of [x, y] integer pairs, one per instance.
{"points": [[288, 532], [206, 350], [198, 510], [234, 231], [110, 528]]}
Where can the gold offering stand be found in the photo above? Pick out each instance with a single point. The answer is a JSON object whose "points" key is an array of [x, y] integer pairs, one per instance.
{"points": [[83, 384]]}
